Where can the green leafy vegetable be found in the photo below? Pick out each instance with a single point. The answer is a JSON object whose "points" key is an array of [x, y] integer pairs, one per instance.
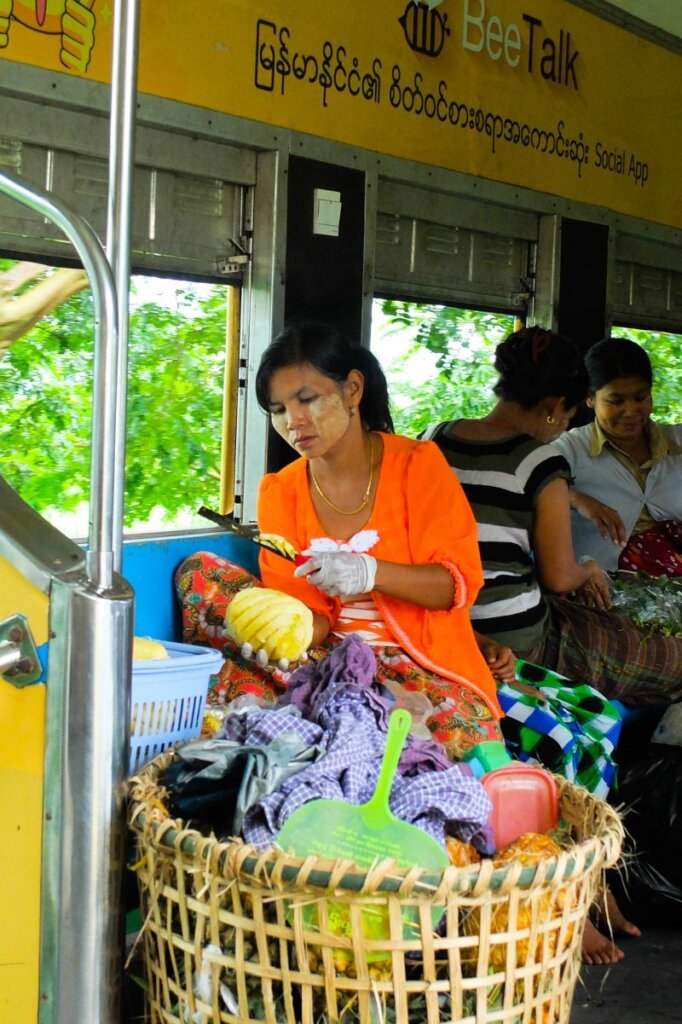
{"points": [[653, 602]]}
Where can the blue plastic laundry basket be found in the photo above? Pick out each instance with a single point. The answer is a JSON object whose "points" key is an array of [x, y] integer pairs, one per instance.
{"points": [[168, 698]]}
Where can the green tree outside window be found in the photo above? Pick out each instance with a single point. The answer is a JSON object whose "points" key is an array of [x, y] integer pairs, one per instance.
{"points": [[175, 394], [439, 361]]}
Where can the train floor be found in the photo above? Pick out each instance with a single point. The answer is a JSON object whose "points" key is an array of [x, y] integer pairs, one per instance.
{"points": [[644, 988]]}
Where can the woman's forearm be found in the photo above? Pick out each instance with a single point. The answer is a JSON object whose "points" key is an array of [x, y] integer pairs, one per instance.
{"points": [[606, 519], [429, 586], [321, 629], [563, 576]]}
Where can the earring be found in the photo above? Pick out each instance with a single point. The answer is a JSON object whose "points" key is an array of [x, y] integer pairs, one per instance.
{"points": [[351, 411], [550, 419]]}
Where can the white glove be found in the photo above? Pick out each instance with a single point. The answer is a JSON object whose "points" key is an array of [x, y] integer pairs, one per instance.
{"points": [[340, 573]]}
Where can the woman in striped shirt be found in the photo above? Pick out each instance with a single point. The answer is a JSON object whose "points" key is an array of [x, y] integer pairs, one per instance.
{"points": [[537, 599]]}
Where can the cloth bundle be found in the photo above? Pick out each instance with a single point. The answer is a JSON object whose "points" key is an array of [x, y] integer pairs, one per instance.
{"points": [[568, 727], [341, 713], [213, 782]]}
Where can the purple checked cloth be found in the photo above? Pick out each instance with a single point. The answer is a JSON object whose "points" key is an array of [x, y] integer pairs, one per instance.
{"points": [[332, 704]]}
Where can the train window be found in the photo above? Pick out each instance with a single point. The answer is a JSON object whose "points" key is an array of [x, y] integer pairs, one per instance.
{"points": [[663, 350], [438, 359], [431, 246], [646, 289], [175, 396]]}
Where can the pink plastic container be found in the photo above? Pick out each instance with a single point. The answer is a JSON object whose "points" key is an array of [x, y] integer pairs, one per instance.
{"points": [[524, 799]]}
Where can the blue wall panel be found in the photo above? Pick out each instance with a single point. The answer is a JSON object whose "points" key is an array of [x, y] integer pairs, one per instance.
{"points": [[149, 566]]}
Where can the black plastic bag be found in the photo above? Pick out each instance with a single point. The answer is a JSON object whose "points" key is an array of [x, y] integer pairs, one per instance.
{"points": [[214, 782], [208, 801], [648, 887]]}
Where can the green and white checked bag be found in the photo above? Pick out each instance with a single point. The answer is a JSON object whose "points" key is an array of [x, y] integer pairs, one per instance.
{"points": [[572, 729]]}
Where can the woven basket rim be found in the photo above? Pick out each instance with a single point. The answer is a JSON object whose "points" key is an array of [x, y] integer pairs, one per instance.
{"points": [[233, 856]]}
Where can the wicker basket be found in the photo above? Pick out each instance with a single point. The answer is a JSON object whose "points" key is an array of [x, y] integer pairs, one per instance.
{"points": [[231, 935]]}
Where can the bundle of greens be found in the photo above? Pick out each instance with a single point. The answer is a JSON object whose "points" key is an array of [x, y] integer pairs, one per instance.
{"points": [[653, 602]]}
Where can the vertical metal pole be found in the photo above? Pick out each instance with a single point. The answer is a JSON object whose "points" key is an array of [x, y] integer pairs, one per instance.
{"points": [[87, 724], [230, 400], [87, 720], [119, 219]]}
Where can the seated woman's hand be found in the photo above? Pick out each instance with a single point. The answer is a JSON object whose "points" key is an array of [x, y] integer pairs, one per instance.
{"points": [[606, 519], [501, 660], [339, 573], [262, 659], [596, 591]]}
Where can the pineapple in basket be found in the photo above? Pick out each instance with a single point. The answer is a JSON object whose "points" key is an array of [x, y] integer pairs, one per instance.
{"points": [[539, 906]]}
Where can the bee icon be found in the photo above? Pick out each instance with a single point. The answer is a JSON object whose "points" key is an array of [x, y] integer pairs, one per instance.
{"points": [[425, 27]]}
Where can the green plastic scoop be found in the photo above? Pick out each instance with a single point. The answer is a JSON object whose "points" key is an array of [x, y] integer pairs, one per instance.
{"points": [[364, 834], [368, 832]]}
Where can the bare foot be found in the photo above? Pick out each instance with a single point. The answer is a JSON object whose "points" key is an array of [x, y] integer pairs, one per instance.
{"points": [[613, 916], [598, 949]]}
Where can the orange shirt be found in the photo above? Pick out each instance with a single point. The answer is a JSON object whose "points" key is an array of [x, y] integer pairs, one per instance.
{"points": [[421, 516]]}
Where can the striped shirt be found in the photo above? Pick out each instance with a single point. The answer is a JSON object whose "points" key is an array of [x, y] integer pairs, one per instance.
{"points": [[362, 617], [502, 479]]}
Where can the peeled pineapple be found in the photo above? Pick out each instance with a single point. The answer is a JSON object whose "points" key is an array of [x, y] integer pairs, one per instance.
{"points": [[272, 621], [145, 649], [280, 545]]}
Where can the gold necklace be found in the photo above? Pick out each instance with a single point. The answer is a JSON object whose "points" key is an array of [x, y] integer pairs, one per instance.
{"points": [[365, 498]]}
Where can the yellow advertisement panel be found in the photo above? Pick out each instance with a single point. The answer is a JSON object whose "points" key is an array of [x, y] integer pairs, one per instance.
{"points": [[538, 93], [22, 755]]}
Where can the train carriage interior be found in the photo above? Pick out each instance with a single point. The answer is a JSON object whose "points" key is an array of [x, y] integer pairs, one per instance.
{"points": [[236, 215]]}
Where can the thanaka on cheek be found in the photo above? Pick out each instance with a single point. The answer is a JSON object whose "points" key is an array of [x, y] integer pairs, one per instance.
{"points": [[329, 419]]}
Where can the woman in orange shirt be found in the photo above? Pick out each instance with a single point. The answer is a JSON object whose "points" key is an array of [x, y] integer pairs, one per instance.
{"points": [[392, 542], [392, 539]]}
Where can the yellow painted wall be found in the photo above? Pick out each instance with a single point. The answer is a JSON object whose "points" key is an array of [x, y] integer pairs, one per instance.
{"points": [[538, 93], [22, 749]]}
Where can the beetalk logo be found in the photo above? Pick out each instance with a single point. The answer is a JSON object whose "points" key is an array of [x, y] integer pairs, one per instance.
{"points": [[542, 50]]}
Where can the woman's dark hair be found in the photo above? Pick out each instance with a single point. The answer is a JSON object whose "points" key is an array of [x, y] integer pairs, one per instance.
{"points": [[333, 354], [616, 357], [534, 364]]}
